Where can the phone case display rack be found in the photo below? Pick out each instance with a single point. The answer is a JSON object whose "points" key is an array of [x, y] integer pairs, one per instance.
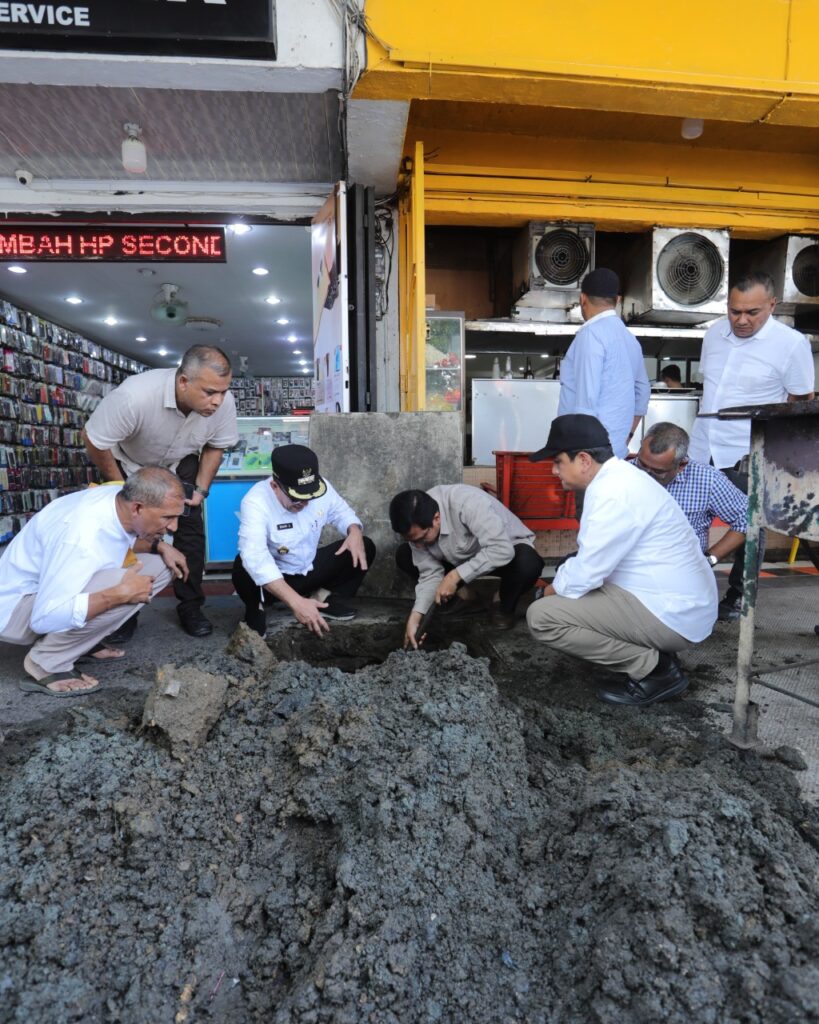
{"points": [[271, 396], [51, 381]]}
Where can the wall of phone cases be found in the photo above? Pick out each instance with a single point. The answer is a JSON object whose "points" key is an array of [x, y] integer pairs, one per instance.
{"points": [[271, 396], [51, 381]]}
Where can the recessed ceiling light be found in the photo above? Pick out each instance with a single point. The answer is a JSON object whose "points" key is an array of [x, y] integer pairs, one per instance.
{"points": [[291, 338], [75, 300], [273, 300], [111, 321], [544, 355], [302, 362], [260, 271], [296, 351], [240, 229], [140, 337], [305, 370], [283, 321], [162, 351], [17, 270]]}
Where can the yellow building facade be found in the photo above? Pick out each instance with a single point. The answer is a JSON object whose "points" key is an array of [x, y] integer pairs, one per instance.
{"points": [[553, 111]]}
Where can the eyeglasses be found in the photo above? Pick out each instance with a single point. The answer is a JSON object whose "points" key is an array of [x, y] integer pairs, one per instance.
{"points": [[660, 474]]}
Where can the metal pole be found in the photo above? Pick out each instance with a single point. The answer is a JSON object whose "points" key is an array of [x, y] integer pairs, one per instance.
{"points": [[746, 713]]}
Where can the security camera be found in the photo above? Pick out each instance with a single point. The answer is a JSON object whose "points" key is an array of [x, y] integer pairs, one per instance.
{"points": [[24, 177]]}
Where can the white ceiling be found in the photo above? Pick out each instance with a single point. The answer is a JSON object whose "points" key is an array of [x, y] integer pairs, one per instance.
{"points": [[230, 292]]}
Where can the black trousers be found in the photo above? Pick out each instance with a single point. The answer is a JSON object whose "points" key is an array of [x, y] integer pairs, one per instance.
{"points": [[332, 572], [516, 577], [737, 572], [189, 539]]}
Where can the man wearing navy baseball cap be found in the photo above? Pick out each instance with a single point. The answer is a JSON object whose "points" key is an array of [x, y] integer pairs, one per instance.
{"points": [[603, 373], [639, 588]]}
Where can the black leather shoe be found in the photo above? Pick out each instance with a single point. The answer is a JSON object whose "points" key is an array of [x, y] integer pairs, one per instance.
{"points": [[124, 633], [195, 624], [666, 681], [729, 608]]}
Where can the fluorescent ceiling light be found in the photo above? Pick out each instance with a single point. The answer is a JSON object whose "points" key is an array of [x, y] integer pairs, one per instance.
{"points": [[111, 321], [283, 321], [75, 300], [17, 270], [273, 300], [470, 356], [260, 271]]}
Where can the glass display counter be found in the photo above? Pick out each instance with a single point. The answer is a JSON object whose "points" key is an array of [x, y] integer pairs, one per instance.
{"points": [[444, 359]]}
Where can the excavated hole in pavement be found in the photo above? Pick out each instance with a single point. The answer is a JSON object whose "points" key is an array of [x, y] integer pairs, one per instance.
{"points": [[353, 646]]}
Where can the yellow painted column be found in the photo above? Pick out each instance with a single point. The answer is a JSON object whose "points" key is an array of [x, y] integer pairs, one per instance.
{"points": [[412, 284]]}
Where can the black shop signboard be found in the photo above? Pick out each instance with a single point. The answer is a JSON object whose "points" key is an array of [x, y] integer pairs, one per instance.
{"points": [[205, 28]]}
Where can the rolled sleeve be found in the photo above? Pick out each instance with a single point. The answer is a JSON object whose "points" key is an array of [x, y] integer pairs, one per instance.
{"points": [[431, 573], [799, 375], [729, 503], [255, 554], [226, 429]]}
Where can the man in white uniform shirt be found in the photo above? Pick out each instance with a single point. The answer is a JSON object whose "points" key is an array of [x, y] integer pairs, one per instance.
{"points": [[639, 588], [281, 520], [748, 359], [63, 581], [182, 419]]}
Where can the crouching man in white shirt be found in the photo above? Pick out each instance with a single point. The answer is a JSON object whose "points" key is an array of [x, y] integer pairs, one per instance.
{"points": [[281, 520], [639, 588], [70, 576]]}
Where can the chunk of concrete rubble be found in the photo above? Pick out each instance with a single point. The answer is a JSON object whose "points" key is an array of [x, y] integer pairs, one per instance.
{"points": [[247, 646], [184, 704], [791, 757]]}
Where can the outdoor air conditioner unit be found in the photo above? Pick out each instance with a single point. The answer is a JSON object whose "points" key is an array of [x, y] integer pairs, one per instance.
{"points": [[550, 259], [793, 263], [675, 276]]}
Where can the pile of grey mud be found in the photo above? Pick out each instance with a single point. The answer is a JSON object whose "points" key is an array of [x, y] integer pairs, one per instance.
{"points": [[405, 844]]}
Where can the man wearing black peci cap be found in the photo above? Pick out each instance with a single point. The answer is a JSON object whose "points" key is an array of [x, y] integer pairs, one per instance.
{"points": [[603, 373], [639, 588], [281, 520]]}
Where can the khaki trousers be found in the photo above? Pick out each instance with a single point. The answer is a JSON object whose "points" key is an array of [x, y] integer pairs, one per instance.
{"points": [[607, 627], [57, 652]]}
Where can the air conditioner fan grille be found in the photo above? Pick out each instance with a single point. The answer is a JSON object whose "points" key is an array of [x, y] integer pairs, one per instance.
{"points": [[561, 257], [805, 271], [690, 269]]}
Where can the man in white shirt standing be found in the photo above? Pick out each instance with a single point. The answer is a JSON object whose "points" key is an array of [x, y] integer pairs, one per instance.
{"points": [[64, 584], [603, 373], [639, 589], [281, 520], [748, 359]]}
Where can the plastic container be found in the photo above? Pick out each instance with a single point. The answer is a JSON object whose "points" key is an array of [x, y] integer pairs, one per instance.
{"points": [[533, 492]]}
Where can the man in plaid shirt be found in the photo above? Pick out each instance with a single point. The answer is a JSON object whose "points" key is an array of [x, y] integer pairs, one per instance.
{"points": [[703, 493]]}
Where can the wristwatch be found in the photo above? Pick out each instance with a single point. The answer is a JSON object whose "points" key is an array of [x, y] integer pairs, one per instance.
{"points": [[712, 560], [155, 545], [201, 490]]}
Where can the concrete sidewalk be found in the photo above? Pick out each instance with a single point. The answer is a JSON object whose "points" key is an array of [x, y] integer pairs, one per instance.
{"points": [[786, 654]]}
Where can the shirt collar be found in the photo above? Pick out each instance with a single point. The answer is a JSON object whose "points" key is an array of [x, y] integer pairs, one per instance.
{"points": [[600, 316], [170, 391], [605, 468], [444, 524], [763, 332]]}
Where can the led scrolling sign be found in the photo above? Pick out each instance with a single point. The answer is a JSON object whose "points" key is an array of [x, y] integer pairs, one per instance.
{"points": [[112, 244]]}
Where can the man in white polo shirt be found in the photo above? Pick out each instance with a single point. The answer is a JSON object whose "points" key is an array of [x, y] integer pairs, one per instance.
{"points": [[639, 588], [750, 358], [280, 524], [182, 419], [63, 581]]}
